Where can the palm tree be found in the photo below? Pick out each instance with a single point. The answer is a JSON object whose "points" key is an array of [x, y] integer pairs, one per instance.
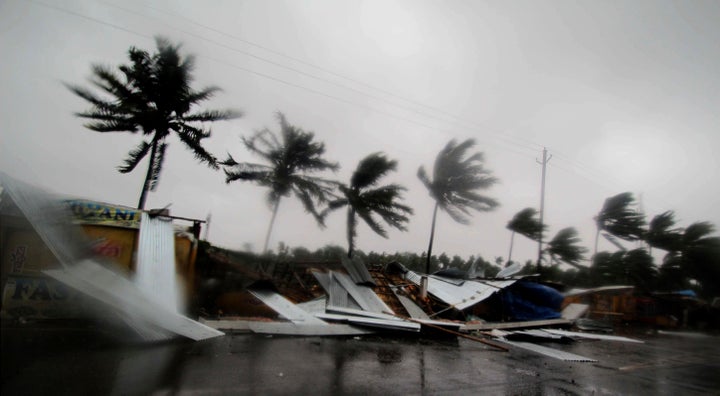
{"points": [[619, 218], [524, 223], [292, 157], [701, 256], [363, 199], [151, 95], [663, 234], [456, 183], [565, 247]]}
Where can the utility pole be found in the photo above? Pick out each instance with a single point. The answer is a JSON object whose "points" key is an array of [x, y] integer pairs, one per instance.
{"points": [[207, 225], [544, 162]]}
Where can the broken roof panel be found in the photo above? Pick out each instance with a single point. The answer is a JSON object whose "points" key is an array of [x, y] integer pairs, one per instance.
{"points": [[358, 271], [286, 328], [363, 295], [550, 352], [462, 296], [285, 307]]}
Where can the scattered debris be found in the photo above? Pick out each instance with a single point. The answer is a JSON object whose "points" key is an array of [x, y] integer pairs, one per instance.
{"points": [[550, 352]]}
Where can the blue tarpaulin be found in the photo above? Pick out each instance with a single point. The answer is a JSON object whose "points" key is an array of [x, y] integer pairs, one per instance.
{"points": [[532, 301]]}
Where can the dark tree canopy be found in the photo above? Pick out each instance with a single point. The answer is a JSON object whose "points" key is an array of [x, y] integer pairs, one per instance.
{"points": [[292, 157], [365, 199], [456, 185], [457, 181], [151, 95], [526, 223], [620, 218], [565, 247]]}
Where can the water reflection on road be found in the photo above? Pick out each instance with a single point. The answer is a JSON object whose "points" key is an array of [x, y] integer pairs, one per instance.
{"points": [[252, 364]]}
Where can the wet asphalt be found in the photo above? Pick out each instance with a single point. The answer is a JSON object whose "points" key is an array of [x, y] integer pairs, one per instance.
{"points": [[67, 360]]}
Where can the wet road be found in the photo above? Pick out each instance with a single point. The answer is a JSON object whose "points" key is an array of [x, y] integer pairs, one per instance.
{"points": [[75, 361]]}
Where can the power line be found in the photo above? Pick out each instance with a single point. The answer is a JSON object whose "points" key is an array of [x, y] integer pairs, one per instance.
{"points": [[469, 125], [502, 141]]}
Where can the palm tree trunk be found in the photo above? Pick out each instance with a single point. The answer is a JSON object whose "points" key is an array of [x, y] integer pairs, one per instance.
{"points": [[597, 236], [351, 231], [148, 176], [512, 240], [432, 236], [270, 227]]}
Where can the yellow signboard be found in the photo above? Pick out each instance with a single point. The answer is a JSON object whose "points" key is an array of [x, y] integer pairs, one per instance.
{"points": [[90, 212]]}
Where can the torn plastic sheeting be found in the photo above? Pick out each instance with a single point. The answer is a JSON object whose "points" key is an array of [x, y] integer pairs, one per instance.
{"points": [[462, 296]]}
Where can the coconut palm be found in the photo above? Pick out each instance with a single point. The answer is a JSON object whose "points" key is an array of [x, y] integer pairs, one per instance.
{"points": [[701, 256], [365, 199], [663, 234], [524, 223], [291, 157], [151, 95], [456, 184], [619, 218], [565, 247]]}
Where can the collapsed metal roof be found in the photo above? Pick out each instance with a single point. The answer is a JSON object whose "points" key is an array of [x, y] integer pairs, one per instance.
{"points": [[462, 295], [358, 271]]}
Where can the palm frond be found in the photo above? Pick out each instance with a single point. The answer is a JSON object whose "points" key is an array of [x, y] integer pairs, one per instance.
{"points": [[211, 115], [134, 157], [249, 172], [367, 217], [371, 169], [191, 137], [457, 180]]}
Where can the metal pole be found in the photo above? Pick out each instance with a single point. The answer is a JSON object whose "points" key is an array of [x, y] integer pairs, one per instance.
{"points": [[544, 162]]}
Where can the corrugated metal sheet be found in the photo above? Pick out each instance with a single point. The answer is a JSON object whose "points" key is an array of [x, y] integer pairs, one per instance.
{"points": [[550, 352], [285, 307], [314, 306], [155, 269], [52, 221], [364, 318], [118, 292], [413, 309], [337, 294], [50, 218], [285, 328], [463, 296], [592, 336], [363, 295], [358, 271], [323, 279]]}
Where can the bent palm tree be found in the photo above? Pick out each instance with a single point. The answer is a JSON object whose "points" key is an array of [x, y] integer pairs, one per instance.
{"points": [[456, 183], [619, 218], [152, 95], [565, 247], [663, 234], [701, 256], [291, 157], [524, 223], [363, 199]]}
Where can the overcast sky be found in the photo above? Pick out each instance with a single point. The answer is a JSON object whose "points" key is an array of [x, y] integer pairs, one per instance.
{"points": [[625, 95]]}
